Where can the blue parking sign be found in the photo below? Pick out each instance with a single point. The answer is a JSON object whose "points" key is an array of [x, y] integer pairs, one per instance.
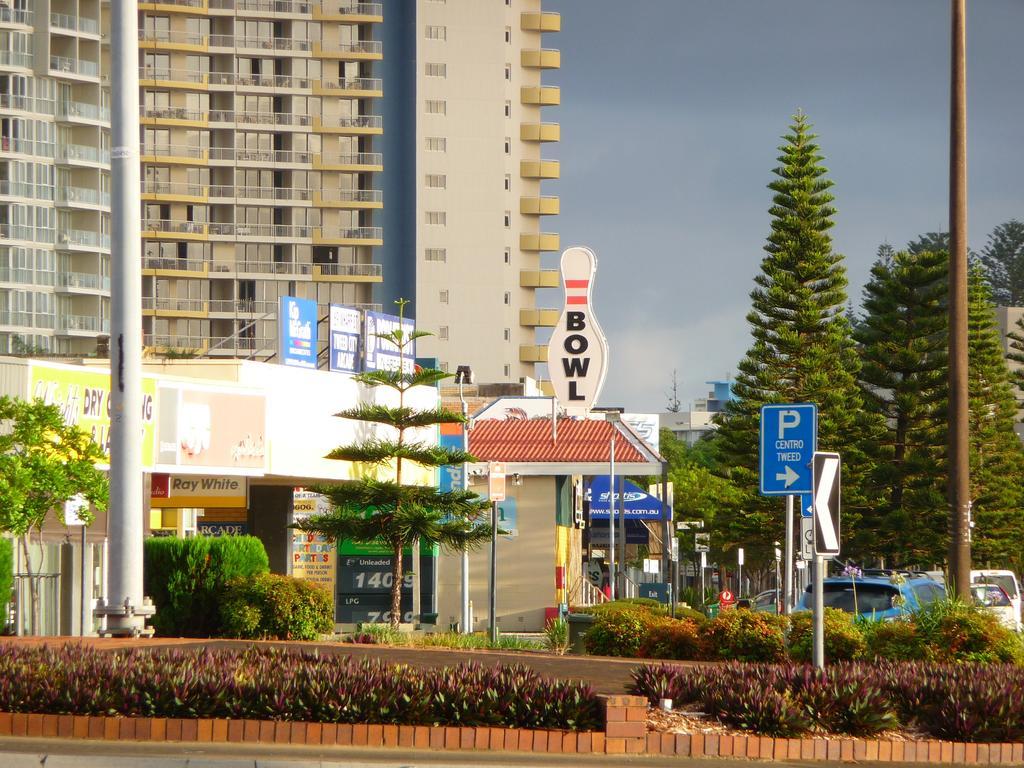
{"points": [[789, 437]]}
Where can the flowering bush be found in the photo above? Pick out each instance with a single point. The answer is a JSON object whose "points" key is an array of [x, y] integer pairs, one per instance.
{"points": [[673, 639], [844, 640], [619, 632], [746, 636]]}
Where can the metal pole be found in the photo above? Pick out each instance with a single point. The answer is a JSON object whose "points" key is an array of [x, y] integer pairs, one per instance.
{"points": [[611, 518], [819, 611], [620, 507], [959, 460], [84, 612], [739, 575], [667, 532], [466, 623], [787, 605], [494, 572], [125, 600]]}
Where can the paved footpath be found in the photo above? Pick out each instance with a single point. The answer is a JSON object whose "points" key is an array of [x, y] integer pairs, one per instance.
{"points": [[604, 674]]}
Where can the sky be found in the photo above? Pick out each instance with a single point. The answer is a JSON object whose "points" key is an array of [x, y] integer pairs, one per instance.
{"points": [[672, 113]]}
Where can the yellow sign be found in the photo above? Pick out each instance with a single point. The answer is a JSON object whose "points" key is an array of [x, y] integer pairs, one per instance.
{"points": [[83, 397]]}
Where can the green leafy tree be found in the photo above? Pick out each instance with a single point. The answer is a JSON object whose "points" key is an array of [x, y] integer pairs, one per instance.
{"points": [[391, 512], [802, 349], [902, 338], [43, 463], [1003, 257], [997, 458]]}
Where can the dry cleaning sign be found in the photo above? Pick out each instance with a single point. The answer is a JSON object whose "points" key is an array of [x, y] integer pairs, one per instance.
{"points": [[577, 351]]}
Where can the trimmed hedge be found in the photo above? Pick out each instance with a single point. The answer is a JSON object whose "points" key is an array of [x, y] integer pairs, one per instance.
{"points": [[187, 579], [267, 606], [264, 684]]}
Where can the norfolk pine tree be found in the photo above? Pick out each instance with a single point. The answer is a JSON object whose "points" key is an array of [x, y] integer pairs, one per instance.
{"points": [[1003, 257], [902, 338], [802, 348], [389, 512]]}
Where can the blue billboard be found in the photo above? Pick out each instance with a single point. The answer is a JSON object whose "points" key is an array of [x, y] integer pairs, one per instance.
{"points": [[383, 355], [639, 504], [345, 332], [297, 323]]}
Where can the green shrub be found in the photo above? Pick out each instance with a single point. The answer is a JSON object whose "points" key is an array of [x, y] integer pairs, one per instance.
{"points": [[6, 575], [956, 631], [187, 577], [898, 640], [746, 636], [688, 613], [618, 632], [844, 640], [556, 635], [631, 604], [271, 606], [674, 639]]}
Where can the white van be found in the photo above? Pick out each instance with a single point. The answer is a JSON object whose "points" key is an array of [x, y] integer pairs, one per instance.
{"points": [[1008, 581]]}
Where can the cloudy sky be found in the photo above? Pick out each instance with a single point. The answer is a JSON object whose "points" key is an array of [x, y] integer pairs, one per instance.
{"points": [[671, 115]]}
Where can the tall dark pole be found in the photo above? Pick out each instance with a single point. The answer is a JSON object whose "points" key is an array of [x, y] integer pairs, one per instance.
{"points": [[959, 472]]}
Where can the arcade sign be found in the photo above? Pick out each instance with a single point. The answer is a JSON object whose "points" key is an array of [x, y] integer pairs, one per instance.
{"points": [[578, 350]]}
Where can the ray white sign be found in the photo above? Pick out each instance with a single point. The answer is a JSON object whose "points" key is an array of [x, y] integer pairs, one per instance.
{"points": [[578, 350]]}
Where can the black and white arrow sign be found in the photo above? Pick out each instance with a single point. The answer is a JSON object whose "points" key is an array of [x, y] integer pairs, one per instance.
{"points": [[826, 478]]}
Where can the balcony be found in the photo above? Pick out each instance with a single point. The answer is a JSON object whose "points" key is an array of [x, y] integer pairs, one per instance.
{"points": [[269, 268], [531, 353], [242, 307], [352, 236], [539, 169], [27, 233], [262, 7], [232, 80], [177, 229], [15, 59], [348, 198], [358, 50], [259, 43], [539, 206], [82, 281], [259, 156], [358, 161], [75, 154], [74, 239], [173, 190], [82, 324], [172, 306], [173, 267], [543, 241], [540, 132], [172, 39], [348, 273], [196, 344], [73, 111], [183, 4], [351, 124], [258, 118], [66, 22], [540, 22], [539, 278], [539, 318], [182, 78], [62, 65], [174, 116], [362, 87], [229, 192], [186, 154], [540, 95], [540, 58], [348, 11], [74, 197], [10, 15], [29, 320], [260, 231]]}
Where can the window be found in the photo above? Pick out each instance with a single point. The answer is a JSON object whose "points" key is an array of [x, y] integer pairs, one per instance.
{"points": [[508, 219], [435, 32], [508, 297], [508, 182], [437, 107], [436, 218], [508, 371], [508, 108], [508, 255], [436, 70], [508, 34], [508, 146], [435, 254], [436, 181], [436, 144], [508, 71], [443, 296], [508, 334], [442, 333]]}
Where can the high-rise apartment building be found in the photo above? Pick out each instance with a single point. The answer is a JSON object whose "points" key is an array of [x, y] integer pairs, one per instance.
{"points": [[341, 151], [54, 178]]}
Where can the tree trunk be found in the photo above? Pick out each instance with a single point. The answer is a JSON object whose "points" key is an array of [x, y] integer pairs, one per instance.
{"points": [[416, 559], [396, 587], [33, 588]]}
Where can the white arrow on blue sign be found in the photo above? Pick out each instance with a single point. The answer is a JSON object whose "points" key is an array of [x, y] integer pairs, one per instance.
{"points": [[789, 436]]}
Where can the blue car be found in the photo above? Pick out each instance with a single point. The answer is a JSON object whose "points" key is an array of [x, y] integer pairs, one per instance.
{"points": [[878, 595]]}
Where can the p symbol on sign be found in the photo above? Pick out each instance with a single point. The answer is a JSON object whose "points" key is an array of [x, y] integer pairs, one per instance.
{"points": [[788, 420]]}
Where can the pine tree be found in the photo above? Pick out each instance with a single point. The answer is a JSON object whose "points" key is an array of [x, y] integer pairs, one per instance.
{"points": [[802, 348], [1003, 257], [997, 458], [389, 512], [902, 339]]}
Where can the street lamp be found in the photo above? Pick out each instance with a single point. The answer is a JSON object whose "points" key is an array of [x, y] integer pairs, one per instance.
{"points": [[464, 375], [613, 417]]}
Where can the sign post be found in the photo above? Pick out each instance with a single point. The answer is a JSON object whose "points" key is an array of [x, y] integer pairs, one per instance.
{"points": [[496, 493], [827, 475], [789, 436]]}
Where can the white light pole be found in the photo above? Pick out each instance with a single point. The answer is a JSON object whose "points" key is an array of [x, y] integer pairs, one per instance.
{"points": [[613, 418], [464, 375]]}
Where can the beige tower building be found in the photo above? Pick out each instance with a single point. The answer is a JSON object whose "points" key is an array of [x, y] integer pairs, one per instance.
{"points": [[54, 179]]}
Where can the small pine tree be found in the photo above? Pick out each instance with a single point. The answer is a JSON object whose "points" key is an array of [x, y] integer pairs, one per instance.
{"points": [[1003, 257], [997, 457], [902, 339], [802, 348], [390, 512]]}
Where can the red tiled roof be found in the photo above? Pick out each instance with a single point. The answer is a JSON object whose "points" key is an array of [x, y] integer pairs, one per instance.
{"points": [[585, 440]]}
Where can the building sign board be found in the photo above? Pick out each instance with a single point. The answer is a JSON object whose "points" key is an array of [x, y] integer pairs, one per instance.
{"points": [[384, 355], [345, 330], [314, 558], [200, 491], [297, 323], [577, 350]]}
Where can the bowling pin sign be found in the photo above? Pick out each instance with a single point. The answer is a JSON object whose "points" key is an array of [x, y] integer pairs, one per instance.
{"points": [[578, 350]]}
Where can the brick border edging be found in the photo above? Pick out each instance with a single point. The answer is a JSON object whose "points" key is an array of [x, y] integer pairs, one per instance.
{"points": [[625, 732]]}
